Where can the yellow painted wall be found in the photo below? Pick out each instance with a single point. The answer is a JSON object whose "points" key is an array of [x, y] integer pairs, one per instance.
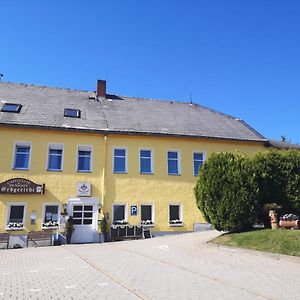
{"points": [[59, 185], [132, 188], [160, 188]]}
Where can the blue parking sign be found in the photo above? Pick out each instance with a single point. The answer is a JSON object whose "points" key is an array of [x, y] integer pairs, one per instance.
{"points": [[133, 210]]}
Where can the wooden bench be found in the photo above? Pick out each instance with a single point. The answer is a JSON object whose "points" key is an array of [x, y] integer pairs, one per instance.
{"points": [[4, 239], [38, 236]]}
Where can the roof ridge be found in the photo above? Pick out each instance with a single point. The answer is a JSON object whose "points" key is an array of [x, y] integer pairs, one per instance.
{"points": [[44, 86]]}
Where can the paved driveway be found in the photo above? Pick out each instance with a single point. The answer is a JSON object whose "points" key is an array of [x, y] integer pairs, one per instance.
{"points": [[172, 267]]}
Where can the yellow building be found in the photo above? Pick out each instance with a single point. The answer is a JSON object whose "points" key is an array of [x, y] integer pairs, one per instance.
{"points": [[90, 153]]}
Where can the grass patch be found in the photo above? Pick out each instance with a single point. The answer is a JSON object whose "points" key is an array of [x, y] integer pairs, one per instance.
{"points": [[276, 241]]}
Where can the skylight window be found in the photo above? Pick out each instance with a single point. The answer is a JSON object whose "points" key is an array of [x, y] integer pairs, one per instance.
{"points": [[72, 113], [11, 107]]}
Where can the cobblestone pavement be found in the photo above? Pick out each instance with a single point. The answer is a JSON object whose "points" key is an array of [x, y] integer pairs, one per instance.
{"points": [[171, 267]]}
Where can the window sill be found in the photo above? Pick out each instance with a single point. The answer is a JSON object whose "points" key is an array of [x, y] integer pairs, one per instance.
{"points": [[176, 225], [120, 172], [146, 173], [174, 174], [53, 170], [147, 225], [84, 171], [21, 169], [50, 228], [15, 229], [122, 226]]}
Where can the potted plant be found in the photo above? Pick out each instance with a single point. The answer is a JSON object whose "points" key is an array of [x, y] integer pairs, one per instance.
{"points": [[103, 227], [69, 229], [147, 222], [50, 225], [289, 221], [15, 225]]}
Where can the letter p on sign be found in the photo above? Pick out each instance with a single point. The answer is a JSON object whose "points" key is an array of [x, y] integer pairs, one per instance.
{"points": [[133, 210]]}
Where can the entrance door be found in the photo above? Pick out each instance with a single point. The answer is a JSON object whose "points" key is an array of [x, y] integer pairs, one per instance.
{"points": [[84, 222]]}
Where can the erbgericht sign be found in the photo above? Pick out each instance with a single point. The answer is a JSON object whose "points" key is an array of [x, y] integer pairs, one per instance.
{"points": [[21, 186]]}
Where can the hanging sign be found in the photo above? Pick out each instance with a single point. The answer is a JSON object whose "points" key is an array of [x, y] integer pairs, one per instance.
{"points": [[21, 186], [84, 189]]}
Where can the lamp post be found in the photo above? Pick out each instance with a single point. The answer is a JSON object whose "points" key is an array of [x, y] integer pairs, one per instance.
{"points": [[65, 206]]}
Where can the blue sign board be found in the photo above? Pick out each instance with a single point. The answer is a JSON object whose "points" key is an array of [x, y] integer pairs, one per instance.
{"points": [[133, 210]]}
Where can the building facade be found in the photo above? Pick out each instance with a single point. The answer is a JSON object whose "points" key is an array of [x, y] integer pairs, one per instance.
{"points": [[90, 154]]}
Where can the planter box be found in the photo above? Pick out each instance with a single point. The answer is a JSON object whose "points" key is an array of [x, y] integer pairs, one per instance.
{"points": [[121, 232], [289, 224]]}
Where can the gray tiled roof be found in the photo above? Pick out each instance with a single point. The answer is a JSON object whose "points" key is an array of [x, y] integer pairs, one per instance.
{"points": [[44, 107], [283, 145]]}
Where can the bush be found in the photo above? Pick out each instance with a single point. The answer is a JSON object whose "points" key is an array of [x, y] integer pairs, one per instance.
{"points": [[278, 178], [234, 191], [226, 192], [292, 171]]}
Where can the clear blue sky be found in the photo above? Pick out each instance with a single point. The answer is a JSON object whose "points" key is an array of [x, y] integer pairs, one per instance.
{"points": [[240, 57]]}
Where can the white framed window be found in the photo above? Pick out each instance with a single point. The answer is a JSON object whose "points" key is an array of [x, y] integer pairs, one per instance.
{"points": [[55, 157], [84, 158], [50, 216], [21, 159], [198, 160], [147, 214], [175, 215], [119, 214], [15, 218], [120, 160], [173, 162], [83, 214], [146, 161]]}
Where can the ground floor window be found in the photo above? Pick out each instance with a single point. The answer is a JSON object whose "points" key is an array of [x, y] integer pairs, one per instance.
{"points": [[50, 218], [175, 214], [119, 214], [147, 214], [16, 213]]}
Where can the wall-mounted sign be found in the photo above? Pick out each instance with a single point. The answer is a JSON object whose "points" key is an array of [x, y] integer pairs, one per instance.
{"points": [[133, 210], [84, 189], [21, 186], [33, 217]]}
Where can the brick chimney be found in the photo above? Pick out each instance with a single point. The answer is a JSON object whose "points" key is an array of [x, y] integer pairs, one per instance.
{"points": [[101, 89]]}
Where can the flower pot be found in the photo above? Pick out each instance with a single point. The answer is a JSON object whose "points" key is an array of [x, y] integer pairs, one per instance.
{"points": [[273, 219], [68, 238], [289, 224]]}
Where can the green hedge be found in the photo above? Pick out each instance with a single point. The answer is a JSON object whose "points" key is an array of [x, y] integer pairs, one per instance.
{"points": [[226, 191], [232, 189], [278, 177]]}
